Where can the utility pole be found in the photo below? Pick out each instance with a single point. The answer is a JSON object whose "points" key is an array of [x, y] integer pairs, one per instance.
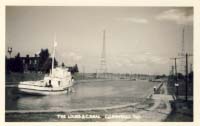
{"points": [[176, 77], [191, 67], [186, 77], [185, 55], [83, 73], [172, 70], [175, 65], [96, 74]]}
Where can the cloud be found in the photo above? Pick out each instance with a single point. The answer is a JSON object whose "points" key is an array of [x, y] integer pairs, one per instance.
{"points": [[149, 58], [159, 60], [74, 56], [134, 20], [179, 16], [71, 58], [118, 64], [145, 58], [137, 62], [143, 62]]}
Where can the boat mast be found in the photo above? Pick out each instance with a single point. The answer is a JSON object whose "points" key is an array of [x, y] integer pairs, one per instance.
{"points": [[53, 55]]}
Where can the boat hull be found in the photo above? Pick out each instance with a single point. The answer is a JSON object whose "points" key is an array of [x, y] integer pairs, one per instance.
{"points": [[38, 92], [35, 90]]}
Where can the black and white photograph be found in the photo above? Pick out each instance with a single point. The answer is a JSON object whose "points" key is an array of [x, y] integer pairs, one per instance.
{"points": [[98, 64]]}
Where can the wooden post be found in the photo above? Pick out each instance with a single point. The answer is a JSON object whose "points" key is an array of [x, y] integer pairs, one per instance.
{"points": [[175, 70], [186, 77]]}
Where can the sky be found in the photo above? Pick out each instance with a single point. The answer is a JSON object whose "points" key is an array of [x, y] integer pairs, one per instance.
{"points": [[138, 39]]}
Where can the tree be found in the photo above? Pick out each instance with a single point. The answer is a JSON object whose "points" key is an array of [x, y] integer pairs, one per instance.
{"points": [[48, 64], [190, 76], [180, 76], [63, 65], [74, 69], [45, 62], [43, 57], [7, 65], [18, 65], [157, 77]]}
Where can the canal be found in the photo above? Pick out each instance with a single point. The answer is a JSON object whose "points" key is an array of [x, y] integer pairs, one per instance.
{"points": [[90, 94]]}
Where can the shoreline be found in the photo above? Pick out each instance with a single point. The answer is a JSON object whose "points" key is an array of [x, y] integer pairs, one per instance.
{"points": [[148, 109], [153, 107], [129, 109]]}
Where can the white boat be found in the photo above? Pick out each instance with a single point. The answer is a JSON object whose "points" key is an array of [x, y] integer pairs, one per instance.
{"points": [[59, 81]]}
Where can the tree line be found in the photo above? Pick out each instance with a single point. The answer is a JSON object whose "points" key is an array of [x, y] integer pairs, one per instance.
{"points": [[39, 63]]}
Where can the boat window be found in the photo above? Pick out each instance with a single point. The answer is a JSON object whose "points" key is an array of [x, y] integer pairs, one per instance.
{"points": [[50, 85], [59, 83], [46, 85]]}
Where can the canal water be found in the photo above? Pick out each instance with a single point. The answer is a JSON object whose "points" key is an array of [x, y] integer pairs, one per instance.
{"points": [[90, 94]]}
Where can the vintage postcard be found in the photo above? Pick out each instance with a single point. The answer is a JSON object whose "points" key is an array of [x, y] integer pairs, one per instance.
{"points": [[99, 64]]}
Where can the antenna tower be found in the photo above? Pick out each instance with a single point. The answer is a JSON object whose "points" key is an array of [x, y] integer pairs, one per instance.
{"points": [[103, 66]]}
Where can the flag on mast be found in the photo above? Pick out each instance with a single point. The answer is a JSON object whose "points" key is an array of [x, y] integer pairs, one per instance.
{"points": [[55, 43]]}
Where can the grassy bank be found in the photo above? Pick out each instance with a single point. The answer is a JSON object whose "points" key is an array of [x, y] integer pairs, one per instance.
{"points": [[102, 114], [182, 110]]}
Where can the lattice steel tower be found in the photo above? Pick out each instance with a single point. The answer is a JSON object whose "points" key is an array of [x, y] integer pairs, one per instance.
{"points": [[103, 66], [182, 61]]}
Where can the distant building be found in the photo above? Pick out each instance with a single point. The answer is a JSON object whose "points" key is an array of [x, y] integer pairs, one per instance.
{"points": [[22, 64], [30, 63]]}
